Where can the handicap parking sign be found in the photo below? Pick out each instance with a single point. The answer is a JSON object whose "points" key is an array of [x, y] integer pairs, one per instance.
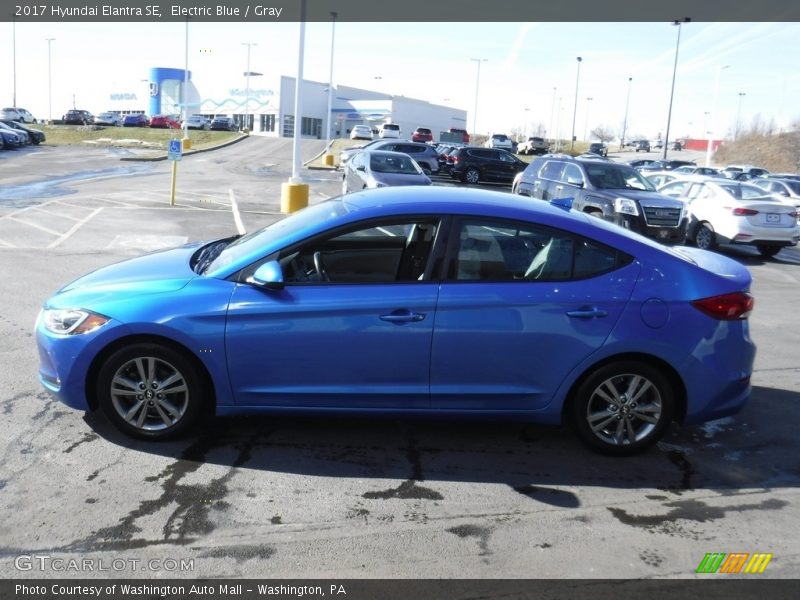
{"points": [[175, 150]]}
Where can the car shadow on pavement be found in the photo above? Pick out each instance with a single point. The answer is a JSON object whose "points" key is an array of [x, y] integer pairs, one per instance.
{"points": [[755, 449]]}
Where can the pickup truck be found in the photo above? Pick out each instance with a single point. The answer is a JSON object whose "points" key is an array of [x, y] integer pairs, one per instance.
{"points": [[533, 145]]}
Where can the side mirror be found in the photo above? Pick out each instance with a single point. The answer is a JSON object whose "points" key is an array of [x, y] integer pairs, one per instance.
{"points": [[784, 193], [268, 276], [361, 168], [575, 182]]}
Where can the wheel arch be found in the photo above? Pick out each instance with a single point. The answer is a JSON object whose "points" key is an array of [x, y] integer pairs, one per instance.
{"points": [[668, 370], [91, 375]]}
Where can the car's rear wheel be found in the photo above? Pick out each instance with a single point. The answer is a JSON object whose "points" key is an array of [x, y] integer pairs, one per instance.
{"points": [[150, 391], [472, 176], [705, 238], [768, 251], [623, 407]]}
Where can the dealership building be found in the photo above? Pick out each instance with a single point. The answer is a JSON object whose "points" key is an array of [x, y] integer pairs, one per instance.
{"points": [[268, 109]]}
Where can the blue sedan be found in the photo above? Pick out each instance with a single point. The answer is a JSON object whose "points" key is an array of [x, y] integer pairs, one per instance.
{"points": [[411, 301]]}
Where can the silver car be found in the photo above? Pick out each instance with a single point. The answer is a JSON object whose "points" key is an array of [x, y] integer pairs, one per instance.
{"points": [[369, 170], [108, 118]]}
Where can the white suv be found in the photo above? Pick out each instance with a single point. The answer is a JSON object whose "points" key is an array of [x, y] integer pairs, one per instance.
{"points": [[16, 114], [389, 130], [499, 140]]}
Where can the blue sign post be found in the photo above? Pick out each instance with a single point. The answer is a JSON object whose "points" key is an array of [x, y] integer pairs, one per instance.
{"points": [[174, 153], [175, 150]]}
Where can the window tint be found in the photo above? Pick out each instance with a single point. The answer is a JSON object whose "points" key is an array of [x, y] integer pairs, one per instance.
{"points": [[501, 251], [384, 252], [551, 170], [572, 175]]}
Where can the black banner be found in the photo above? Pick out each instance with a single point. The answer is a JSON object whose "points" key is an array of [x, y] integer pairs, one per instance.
{"points": [[382, 589], [405, 11]]}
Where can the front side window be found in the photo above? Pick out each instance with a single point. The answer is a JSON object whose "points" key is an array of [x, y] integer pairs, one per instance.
{"points": [[551, 170], [502, 251], [385, 252]]}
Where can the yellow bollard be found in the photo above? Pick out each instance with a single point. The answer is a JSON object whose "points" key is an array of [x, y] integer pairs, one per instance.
{"points": [[187, 144], [294, 196], [329, 160]]}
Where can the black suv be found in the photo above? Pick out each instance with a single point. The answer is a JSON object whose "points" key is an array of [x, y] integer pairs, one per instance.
{"points": [[472, 165], [598, 148], [602, 188], [78, 117], [642, 145]]}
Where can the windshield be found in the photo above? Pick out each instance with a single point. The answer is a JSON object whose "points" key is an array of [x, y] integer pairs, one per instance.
{"points": [[380, 162], [257, 241], [607, 176], [794, 186], [744, 191]]}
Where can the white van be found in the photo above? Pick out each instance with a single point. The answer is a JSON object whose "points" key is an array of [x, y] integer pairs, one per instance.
{"points": [[389, 130]]}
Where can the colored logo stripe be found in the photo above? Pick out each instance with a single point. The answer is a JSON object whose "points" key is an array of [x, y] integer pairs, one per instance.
{"points": [[758, 563], [719, 562]]}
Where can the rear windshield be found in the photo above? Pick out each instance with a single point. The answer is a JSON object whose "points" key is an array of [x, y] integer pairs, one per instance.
{"points": [[392, 127]]}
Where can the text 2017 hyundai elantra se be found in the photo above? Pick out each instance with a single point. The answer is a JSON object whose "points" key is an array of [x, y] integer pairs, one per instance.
{"points": [[411, 301]]}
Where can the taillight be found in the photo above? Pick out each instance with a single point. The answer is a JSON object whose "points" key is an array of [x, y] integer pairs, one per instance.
{"points": [[455, 159], [744, 212], [727, 307]]}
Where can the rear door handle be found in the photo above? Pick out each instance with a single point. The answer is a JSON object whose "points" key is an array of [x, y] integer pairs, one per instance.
{"points": [[402, 316], [587, 313], [559, 187]]}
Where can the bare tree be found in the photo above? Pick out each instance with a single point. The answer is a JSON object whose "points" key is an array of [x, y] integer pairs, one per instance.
{"points": [[604, 133]]}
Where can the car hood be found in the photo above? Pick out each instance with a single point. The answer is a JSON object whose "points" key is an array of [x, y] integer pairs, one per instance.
{"points": [[401, 179], [158, 272]]}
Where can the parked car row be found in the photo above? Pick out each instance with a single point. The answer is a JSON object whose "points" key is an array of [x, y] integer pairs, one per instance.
{"points": [[14, 134], [115, 119]]}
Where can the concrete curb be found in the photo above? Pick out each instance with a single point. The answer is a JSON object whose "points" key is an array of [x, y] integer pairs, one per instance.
{"points": [[189, 153]]}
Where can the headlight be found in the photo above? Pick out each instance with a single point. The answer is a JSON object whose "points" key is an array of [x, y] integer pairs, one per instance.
{"points": [[626, 206], [71, 321]]}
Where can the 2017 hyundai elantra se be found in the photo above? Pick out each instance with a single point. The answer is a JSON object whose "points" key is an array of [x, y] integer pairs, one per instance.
{"points": [[411, 301]]}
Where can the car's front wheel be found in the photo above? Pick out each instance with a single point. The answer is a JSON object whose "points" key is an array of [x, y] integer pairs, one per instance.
{"points": [[623, 407], [150, 391]]}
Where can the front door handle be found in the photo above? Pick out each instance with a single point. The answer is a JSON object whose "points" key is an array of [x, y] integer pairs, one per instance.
{"points": [[587, 313], [403, 316]]}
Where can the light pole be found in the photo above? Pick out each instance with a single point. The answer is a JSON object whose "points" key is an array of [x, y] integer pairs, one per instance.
{"points": [[672, 89], [186, 87], [552, 132], [575, 109], [625, 120], [738, 117], [14, 58], [477, 89], [247, 86], [49, 82], [586, 124], [330, 78], [524, 130], [711, 126]]}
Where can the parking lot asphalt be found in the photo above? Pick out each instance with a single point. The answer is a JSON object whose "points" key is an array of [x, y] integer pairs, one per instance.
{"points": [[304, 497]]}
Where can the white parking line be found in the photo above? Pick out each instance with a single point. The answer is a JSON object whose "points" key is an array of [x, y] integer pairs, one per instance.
{"points": [[35, 226], [74, 228], [237, 218]]}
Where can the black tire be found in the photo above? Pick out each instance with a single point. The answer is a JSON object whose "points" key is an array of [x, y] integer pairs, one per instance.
{"points": [[704, 237], [171, 398], [472, 176], [768, 251], [622, 408]]}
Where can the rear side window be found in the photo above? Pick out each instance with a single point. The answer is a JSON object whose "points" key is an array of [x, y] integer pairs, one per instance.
{"points": [[508, 251], [551, 170]]}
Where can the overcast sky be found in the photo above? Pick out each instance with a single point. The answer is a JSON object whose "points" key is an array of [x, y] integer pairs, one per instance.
{"points": [[525, 62]]}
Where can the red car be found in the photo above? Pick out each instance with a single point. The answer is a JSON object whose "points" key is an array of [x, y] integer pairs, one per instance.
{"points": [[422, 134], [165, 122]]}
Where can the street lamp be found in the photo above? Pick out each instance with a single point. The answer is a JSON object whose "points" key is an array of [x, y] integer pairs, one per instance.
{"points": [[247, 87], [586, 124], [672, 89], [738, 117], [552, 131], [49, 82], [477, 88], [523, 131], [711, 127], [625, 120], [330, 78], [14, 57], [575, 109]]}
